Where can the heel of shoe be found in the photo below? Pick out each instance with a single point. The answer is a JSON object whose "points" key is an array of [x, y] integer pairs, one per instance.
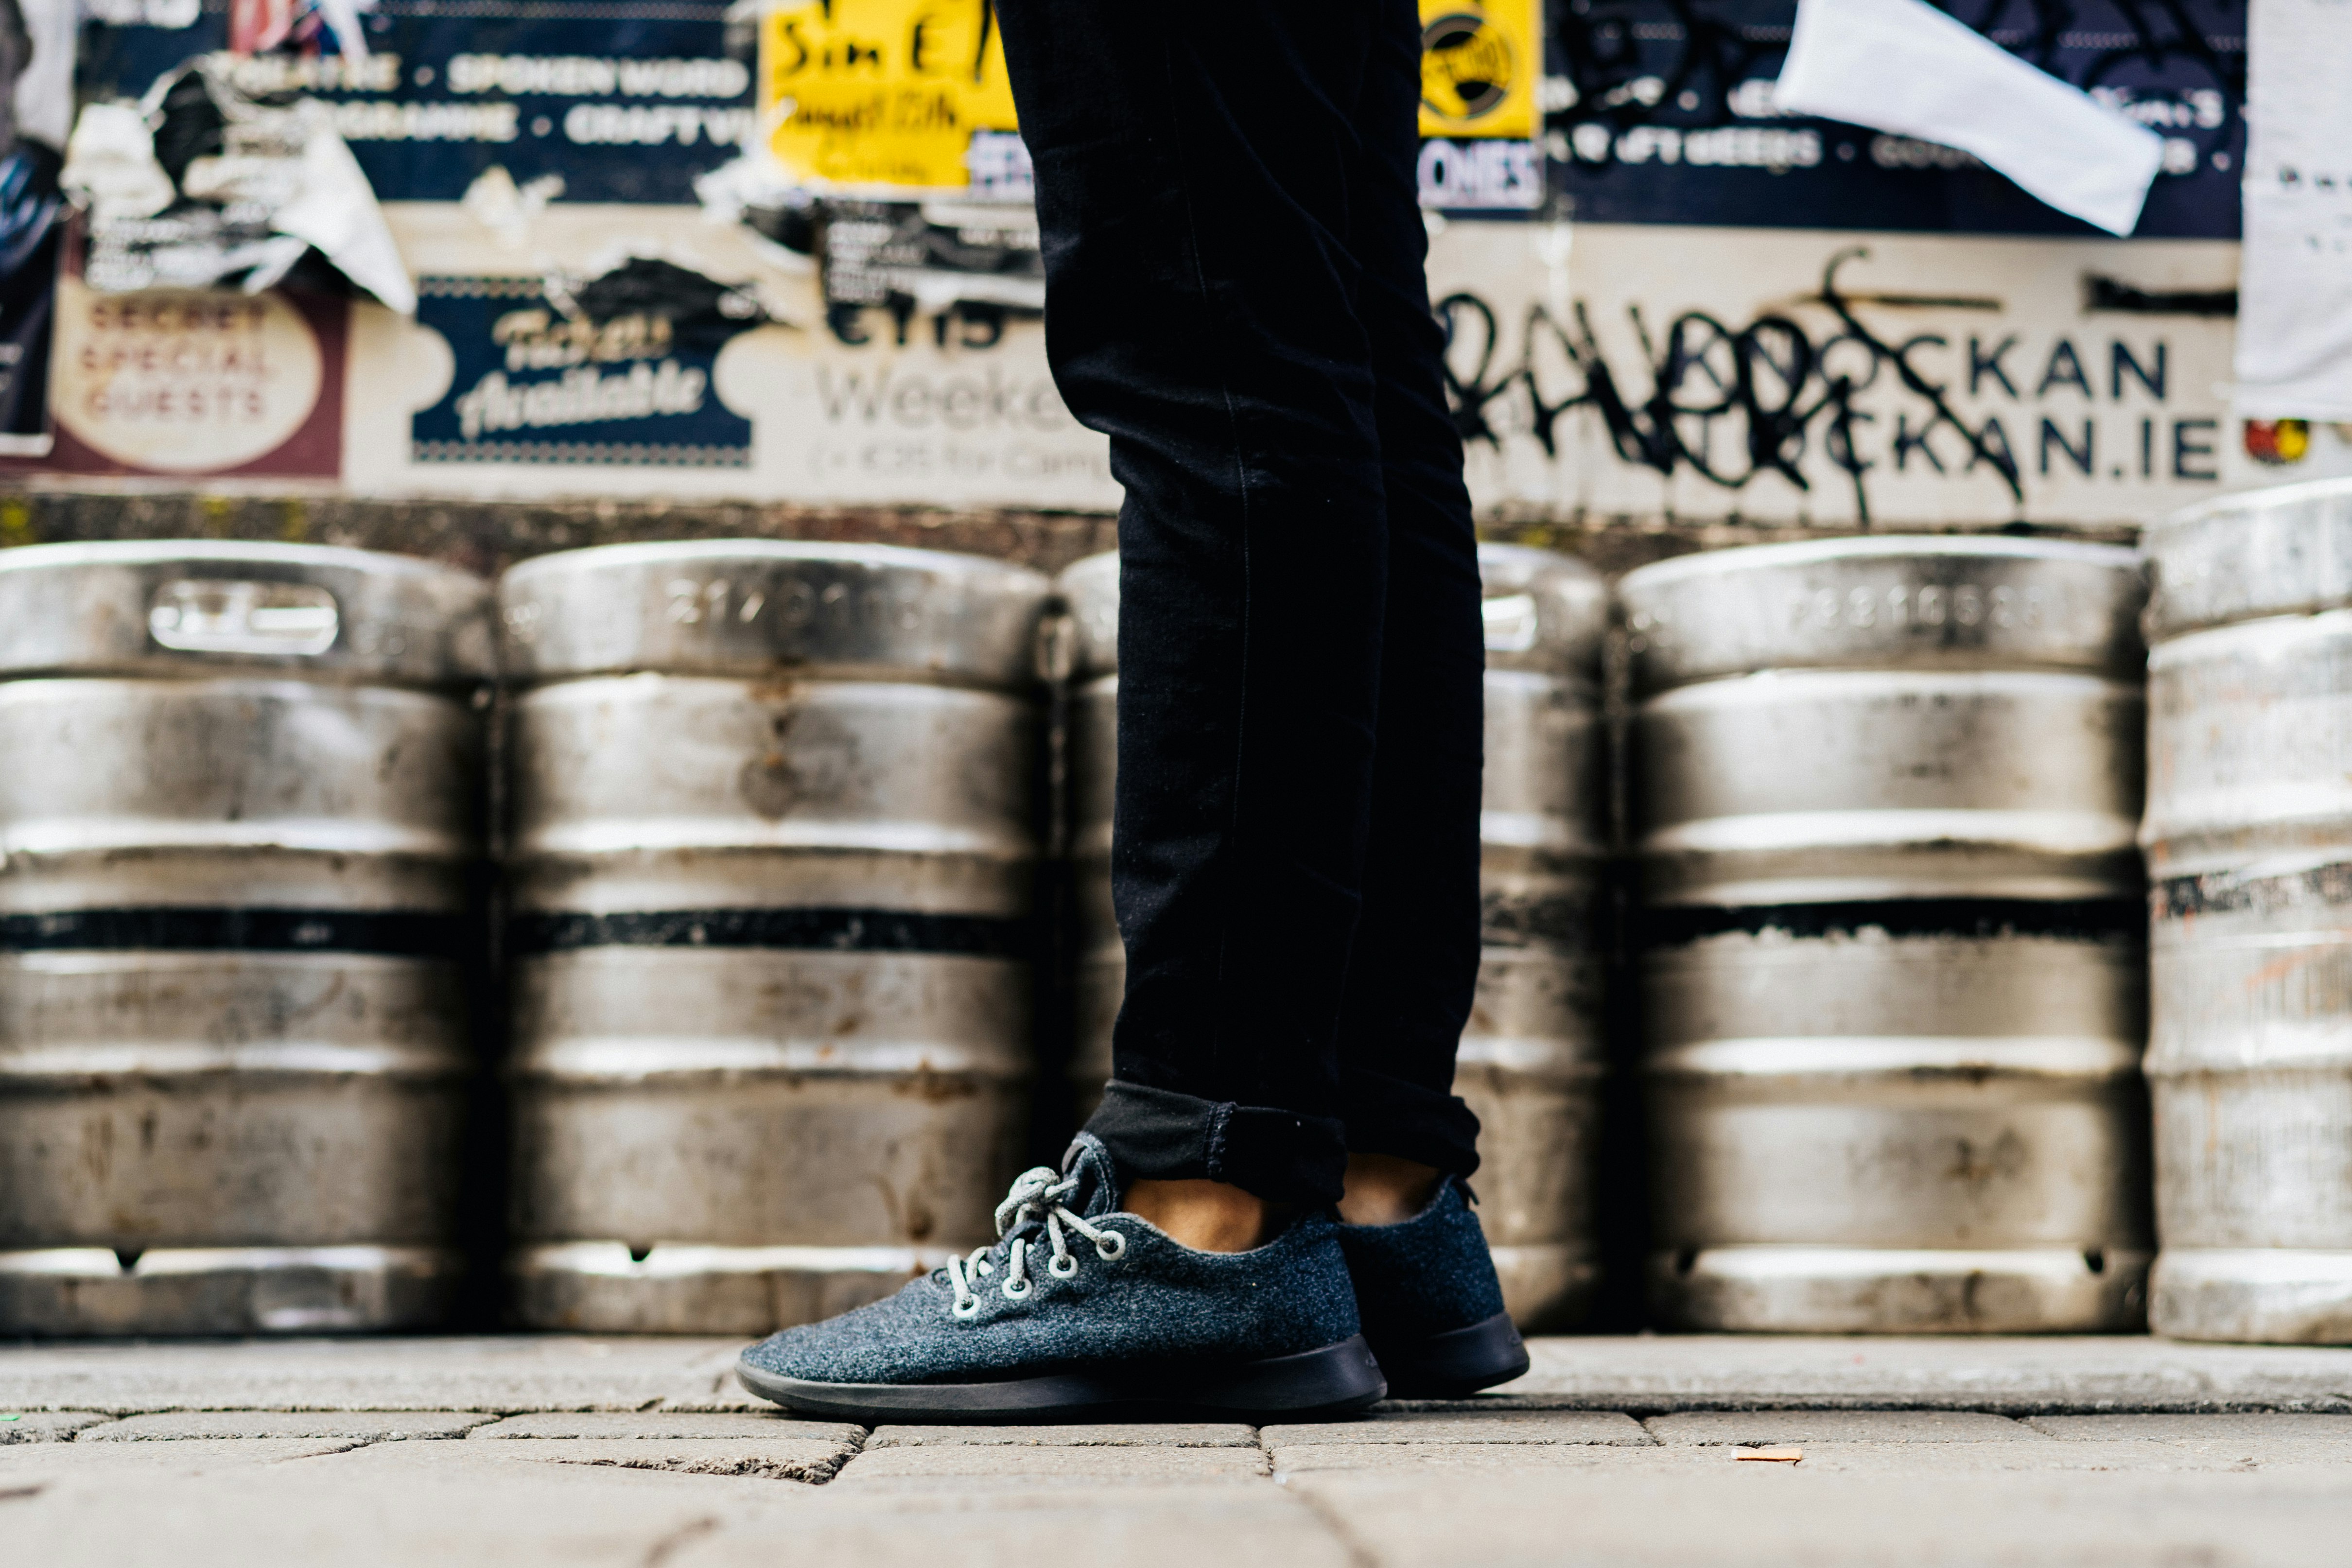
{"points": [[1337, 1380], [1460, 1362]]}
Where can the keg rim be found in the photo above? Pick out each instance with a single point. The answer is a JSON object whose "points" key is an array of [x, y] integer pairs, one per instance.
{"points": [[1537, 555], [1092, 581], [398, 620], [752, 550], [230, 551], [2222, 562], [1876, 546], [2267, 499], [1088, 566]]}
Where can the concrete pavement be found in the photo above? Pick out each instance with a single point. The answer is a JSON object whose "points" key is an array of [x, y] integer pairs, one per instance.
{"points": [[522, 1451]]}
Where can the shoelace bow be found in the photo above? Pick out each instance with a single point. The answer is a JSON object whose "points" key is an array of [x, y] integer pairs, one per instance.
{"points": [[1037, 1194]]}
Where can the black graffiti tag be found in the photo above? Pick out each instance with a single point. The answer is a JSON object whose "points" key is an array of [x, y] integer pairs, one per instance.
{"points": [[1769, 379]]}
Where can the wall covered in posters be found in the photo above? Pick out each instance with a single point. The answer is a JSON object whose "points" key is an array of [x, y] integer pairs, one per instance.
{"points": [[784, 252]]}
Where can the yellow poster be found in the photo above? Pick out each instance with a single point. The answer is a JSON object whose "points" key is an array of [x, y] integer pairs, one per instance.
{"points": [[890, 92], [1481, 63], [882, 92]]}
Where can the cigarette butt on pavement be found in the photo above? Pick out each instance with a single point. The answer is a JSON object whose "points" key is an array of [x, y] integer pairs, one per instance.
{"points": [[1773, 1456]]}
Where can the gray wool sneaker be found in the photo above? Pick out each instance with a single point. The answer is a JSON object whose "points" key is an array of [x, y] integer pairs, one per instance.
{"points": [[1078, 1310], [1433, 1310]]}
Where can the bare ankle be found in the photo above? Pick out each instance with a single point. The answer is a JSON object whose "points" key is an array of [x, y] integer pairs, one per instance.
{"points": [[1207, 1217], [1385, 1190]]}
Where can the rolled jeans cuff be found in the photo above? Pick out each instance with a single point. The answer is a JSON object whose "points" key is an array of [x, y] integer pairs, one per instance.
{"points": [[1159, 1135], [1390, 1116]]}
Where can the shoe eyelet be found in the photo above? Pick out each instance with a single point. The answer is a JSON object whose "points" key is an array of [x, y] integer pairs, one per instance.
{"points": [[1065, 1266], [1112, 1246], [1022, 1294], [968, 1310]]}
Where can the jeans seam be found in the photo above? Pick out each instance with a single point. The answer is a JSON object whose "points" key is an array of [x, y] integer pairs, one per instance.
{"points": [[1213, 1153]]}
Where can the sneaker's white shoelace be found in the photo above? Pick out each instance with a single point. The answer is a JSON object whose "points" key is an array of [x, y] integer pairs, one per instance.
{"points": [[1037, 1194]]}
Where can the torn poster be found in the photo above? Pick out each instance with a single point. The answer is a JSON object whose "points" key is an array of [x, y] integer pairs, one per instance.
{"points": [[36, 93], [1905, 67], [2294, 313], [931, 256], [201, 186]]}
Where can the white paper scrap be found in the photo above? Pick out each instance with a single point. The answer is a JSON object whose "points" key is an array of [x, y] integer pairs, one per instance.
{"points": [[2295, 283], [1903, 67]]}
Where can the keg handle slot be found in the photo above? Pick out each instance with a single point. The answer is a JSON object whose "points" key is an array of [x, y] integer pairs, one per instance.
{"points": [[237, 616], [1513, 622]]}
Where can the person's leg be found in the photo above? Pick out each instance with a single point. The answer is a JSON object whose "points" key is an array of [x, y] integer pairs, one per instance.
{"points": [[1415, 959], [1430, 1305], [1193, 191]]}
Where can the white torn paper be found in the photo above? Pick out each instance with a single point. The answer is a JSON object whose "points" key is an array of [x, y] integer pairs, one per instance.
{"points": [[1903, 67], [276, 182], [2295, 298]]}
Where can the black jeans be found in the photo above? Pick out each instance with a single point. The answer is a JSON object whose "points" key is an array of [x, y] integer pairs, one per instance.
{"points": [[1235, 294]]}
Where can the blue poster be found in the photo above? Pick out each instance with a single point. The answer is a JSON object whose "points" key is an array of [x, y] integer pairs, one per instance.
{"points": [[547, 380], [1662, 111], [624, 102]]}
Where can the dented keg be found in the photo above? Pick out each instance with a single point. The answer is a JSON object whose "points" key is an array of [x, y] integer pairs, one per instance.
{"points": [[237, 802], [770, 857], [1530, 1057], [1882, 794], [2249, 838]]}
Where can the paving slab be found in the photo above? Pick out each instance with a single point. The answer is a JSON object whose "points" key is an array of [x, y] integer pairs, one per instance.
{"points": [[1110, 1435], [47, 1426], [998, 1465], [2088, 1375], [1758, 1428], [394, 1505], [1549, 1426], [2261, 1425], [352, 1426], [1177, 1526], [666, 1424], [496, 1372], [1639, 1511], [195, 1456]]}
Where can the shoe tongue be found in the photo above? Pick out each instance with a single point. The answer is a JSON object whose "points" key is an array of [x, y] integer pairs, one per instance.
{"points": [[1098, 1176]]}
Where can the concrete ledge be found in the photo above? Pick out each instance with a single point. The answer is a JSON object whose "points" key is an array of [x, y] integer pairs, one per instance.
{"points": [[1640, 1376], [1658, 1374]]}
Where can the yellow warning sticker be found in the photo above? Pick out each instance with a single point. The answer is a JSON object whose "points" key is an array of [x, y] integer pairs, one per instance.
{"points": [[1481, 64], [881, 92]]}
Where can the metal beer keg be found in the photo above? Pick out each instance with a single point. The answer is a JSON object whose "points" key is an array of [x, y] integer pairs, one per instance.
{"points": [[2249, 838], [1530, 1057], [1882, 794], [1089, 592], [771, 859], [238, 791]]}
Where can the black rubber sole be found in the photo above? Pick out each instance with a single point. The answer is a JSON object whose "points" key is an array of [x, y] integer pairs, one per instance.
{"points": [[1337, 1380], [1449, 1365]]}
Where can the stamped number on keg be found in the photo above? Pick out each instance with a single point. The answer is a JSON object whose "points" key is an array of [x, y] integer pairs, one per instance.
{"points": [[795, 605], [1931, 604]]}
